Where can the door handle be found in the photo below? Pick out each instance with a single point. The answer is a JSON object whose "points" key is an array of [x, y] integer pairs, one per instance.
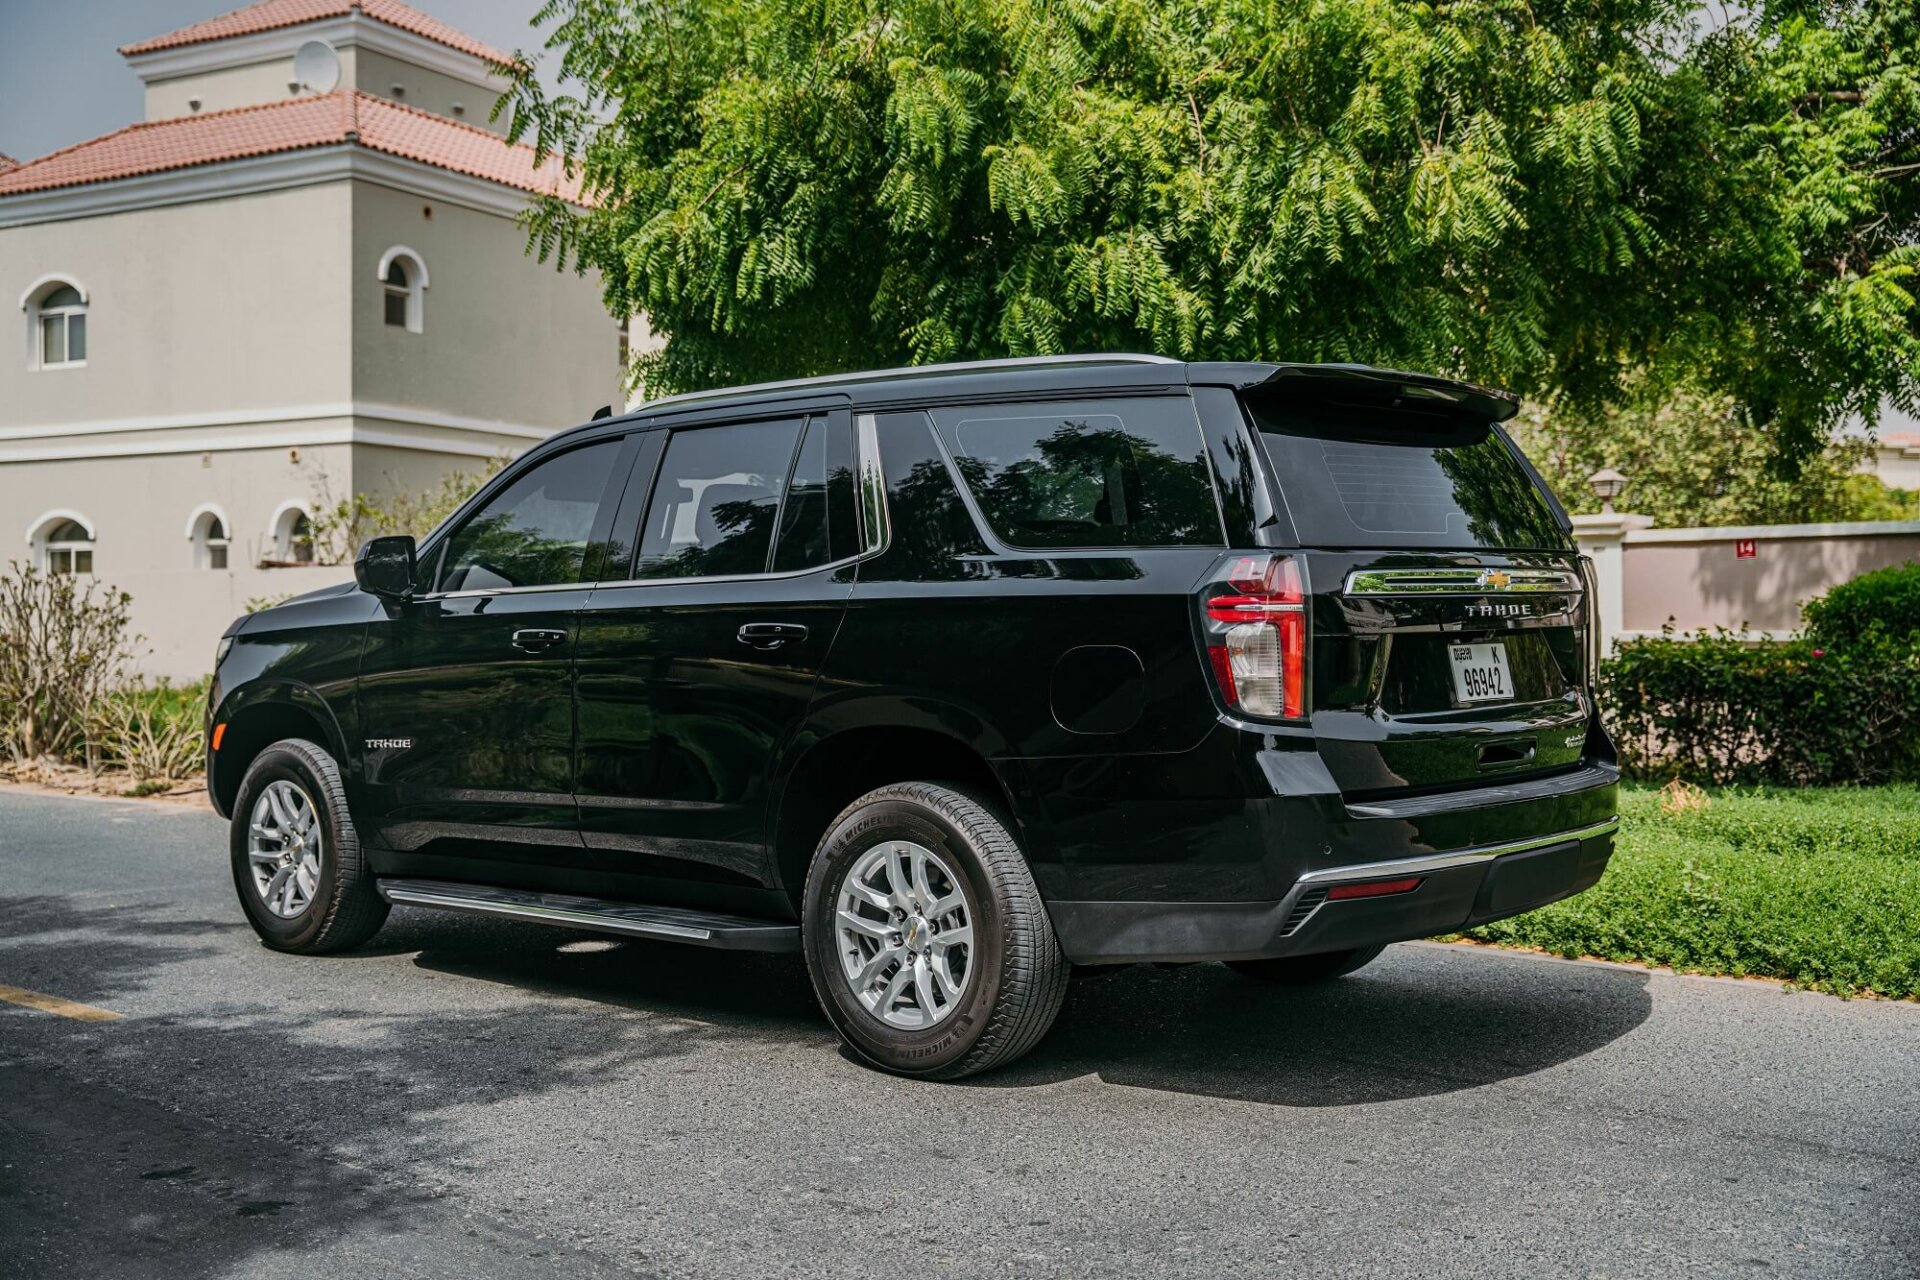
{"points": [[534, 639], [771, 635]]}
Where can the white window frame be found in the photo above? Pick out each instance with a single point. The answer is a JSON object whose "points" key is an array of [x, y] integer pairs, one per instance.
{"points": [[414, 267], [40, 541], [30, 301], [199, 524]]}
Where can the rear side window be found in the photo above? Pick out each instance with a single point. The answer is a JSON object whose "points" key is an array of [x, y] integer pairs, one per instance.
{"points": [[1087, 473], [716, 499], [534, 532], [1357, 476]]}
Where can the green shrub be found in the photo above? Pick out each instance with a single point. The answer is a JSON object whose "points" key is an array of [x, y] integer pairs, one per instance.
{"points": [[1820, 887], [1882, 606], [1720, 707], [154, 732]]}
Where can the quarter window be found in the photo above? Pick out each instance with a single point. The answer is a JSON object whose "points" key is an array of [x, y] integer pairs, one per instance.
{"points": [[534, 532], [1093, 473], [714, 504]]}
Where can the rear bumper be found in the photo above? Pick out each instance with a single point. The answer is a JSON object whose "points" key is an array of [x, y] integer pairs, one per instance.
{"points": [[1457, 890]]}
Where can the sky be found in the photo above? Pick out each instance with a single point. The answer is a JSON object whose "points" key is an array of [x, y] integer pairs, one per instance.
{"points": [[62, 82]]}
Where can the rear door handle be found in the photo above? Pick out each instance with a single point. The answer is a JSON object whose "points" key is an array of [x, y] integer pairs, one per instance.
{"points": [[771, 635], [534, 639]]}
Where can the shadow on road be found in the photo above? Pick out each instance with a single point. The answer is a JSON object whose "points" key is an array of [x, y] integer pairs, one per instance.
{"points": [[1450, 1019], [1413, 1026]]}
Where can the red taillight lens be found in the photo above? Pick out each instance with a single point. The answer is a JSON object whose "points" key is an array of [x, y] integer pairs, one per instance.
{"points": [[1256, 624], [1373, 888]]}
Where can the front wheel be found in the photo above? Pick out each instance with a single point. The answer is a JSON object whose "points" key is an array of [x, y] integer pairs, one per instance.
{"points": [[1300, 971], [926, 939], [297, 864]]}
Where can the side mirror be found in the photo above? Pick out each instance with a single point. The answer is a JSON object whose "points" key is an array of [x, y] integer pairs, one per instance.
{"points": [[385, 567]]}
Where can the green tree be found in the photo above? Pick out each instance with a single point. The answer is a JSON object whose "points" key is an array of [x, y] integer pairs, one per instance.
{"points": [[1688, 461], [1557, 197]]}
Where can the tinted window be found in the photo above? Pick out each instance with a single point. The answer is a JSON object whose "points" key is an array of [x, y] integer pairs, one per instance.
{"points": [[715, 501], [1360, 477], [1094, 473], [817, 523], [533, 532]]}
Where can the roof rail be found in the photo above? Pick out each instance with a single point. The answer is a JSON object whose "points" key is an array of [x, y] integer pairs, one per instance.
{"points": [[907, 371]]}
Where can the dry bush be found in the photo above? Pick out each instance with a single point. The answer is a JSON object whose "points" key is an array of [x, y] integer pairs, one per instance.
{"points": [[64, 642]]}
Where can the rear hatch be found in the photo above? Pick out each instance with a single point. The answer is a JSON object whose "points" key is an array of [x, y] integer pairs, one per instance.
{"points": [[1447, 610]]}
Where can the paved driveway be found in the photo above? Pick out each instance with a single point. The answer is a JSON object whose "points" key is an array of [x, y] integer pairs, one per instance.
{"points": [[468, 1098]]}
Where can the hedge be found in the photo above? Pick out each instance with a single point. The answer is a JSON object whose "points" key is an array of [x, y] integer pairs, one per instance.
{"points": [[1840, 704]]}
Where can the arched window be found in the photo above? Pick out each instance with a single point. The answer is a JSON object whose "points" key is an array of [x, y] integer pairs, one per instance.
{"points": [[403, 286], [207, 530], [62, 542], [292, 535], [56, 310]]}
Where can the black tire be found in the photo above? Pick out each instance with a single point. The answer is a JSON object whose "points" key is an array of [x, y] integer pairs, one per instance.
{"points": [[1016, 976], [1300, 971], [345, 909]]}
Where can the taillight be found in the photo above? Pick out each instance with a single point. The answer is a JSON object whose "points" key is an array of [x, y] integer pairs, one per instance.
{"points": [[1256, 630]]}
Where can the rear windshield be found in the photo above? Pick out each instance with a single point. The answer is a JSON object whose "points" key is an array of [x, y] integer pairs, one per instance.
{"points": [[1087, 473], [1359, 477]]}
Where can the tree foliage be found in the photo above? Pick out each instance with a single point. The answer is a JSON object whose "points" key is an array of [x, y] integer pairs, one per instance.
{"points": [[1688, 462], [1552, 196]]}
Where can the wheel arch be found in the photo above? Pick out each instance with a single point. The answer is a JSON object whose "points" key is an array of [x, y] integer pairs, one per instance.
{"points": [[832, 767], [255, 719]]}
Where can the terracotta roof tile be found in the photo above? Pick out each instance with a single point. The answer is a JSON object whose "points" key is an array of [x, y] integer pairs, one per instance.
{"points": [[270, 15], [346, 115], [7, 162]]}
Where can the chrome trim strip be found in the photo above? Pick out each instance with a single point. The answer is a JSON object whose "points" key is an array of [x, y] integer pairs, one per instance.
{"points": [[1463, 581], [543, 914], [872, 499]]}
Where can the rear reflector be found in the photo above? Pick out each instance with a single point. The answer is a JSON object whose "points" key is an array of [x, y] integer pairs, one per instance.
{"points": [[1374, 888]]}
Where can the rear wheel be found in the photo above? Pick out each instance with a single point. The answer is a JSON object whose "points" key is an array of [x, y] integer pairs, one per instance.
{"points": [[926, 939], [1298, 971], [297, 864]]}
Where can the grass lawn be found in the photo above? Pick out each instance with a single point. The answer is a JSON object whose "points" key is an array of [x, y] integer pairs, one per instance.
{"points": [[1819, 886]]}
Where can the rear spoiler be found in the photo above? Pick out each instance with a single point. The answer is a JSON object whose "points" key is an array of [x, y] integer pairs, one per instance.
{"points": [[1389, 388]]}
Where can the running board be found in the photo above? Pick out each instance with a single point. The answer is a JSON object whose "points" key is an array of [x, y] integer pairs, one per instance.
{"points": [[600, 915]]}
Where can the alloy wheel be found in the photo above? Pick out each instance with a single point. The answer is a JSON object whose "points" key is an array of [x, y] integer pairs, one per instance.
{"points": [[905, 934]]}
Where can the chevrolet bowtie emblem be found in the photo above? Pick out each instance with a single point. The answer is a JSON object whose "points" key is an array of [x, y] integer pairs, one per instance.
{"points": [[1495, 579]]}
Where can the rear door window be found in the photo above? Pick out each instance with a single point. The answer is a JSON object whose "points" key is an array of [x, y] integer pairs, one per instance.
{"points": [[817, 525], [1363, 477], [1087, 473], [716, 500]]}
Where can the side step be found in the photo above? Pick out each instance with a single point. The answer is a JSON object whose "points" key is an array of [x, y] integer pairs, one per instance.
{"points": [[600, 915]]}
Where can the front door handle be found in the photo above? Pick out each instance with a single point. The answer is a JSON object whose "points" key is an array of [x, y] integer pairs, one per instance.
{"points": [[771, 635], [535, 639]]}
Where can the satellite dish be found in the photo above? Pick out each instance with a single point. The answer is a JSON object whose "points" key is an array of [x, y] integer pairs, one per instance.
{"points": [[316, 66]]}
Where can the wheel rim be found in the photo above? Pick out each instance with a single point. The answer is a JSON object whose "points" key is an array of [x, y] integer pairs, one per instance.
{"points": [[905, 935], [283, 848]]}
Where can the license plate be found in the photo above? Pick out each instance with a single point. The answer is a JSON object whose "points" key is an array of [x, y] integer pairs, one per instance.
{"points": [[1480, 672]]}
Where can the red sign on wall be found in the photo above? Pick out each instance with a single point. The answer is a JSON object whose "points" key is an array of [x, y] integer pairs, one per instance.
{"points": [[1743, 549]]}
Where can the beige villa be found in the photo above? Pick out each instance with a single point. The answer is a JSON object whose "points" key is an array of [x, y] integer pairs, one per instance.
{"points": [[299, 277]]}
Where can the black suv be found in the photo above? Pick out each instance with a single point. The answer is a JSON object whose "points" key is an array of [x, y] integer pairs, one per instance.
{"points": [[950, 679]]}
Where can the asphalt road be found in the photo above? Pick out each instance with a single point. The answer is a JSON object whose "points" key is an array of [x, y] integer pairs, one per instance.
{"points": [[475, 1099]]}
